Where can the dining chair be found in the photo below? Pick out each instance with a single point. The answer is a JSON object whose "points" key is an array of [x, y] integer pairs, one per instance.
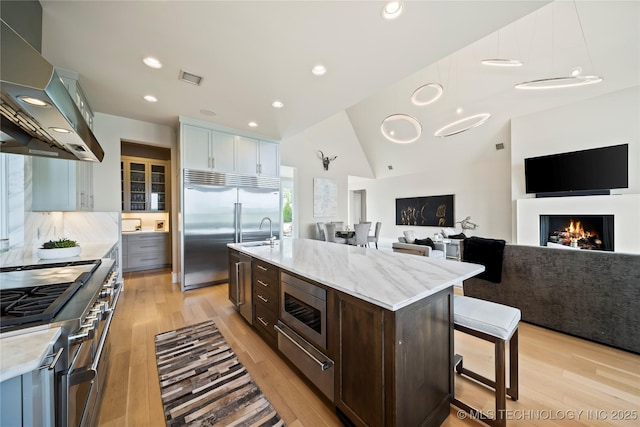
{"points": [[362, 232], [331, 234], [339, 225], [320, 234], [376, 235]]}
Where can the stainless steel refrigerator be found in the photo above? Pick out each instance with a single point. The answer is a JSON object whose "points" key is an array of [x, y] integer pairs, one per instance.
{"points": [[218, 209]]}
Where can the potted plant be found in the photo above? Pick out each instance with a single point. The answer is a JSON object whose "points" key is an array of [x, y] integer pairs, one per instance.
{"points": [[62, 248]]}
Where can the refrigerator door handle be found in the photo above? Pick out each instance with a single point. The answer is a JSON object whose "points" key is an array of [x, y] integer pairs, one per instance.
{"points": [[239, 221], [237, 207]]}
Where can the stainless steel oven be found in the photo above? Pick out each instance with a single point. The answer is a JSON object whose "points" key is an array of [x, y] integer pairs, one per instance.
{"points": [[303, 307], [84, 381], [302, 333]]}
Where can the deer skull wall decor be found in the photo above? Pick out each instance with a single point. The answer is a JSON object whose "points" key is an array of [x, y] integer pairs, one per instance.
{"points": [[326, 160]]}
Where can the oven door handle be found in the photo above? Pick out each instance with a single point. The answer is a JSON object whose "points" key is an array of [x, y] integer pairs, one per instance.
{"points": [[83, 376], [323, 365]]}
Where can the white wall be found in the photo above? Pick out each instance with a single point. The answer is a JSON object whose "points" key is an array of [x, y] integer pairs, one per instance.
{"points": [[110, 132], [335, 137], [602, 121], [597, 122], [479, 177]]}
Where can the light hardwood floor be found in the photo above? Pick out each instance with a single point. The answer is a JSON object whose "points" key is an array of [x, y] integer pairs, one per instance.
{"points": [[564, 381]]}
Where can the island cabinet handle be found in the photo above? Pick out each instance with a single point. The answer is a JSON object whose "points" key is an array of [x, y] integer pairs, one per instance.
{"points": [[266, 324], [238, 284], [323, 365], [262, 268], [266, 285], [263, 298]]}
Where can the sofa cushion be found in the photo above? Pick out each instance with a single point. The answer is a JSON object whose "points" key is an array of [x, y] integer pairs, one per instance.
{"points": [[425, 242], [409, 235]]}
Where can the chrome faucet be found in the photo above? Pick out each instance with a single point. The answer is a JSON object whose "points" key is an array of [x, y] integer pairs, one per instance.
{"points": [[272, 239]]}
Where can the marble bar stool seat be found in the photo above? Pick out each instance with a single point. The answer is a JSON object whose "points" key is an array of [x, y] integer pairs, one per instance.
{"points": [[498, 324]]}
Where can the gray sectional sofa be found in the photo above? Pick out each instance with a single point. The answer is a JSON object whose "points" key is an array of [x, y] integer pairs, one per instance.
{"points": [[588, 294]]}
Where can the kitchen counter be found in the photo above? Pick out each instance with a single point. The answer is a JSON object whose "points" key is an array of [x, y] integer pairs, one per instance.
{"points": [[24, 351], [28, 256], [386, 279]]}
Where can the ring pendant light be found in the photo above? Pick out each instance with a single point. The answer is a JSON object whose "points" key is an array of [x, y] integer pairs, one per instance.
{"points": [[462, 125], [401, 128]]}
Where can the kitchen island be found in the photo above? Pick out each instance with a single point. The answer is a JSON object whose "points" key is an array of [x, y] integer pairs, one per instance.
{"points": [[389, 331]]}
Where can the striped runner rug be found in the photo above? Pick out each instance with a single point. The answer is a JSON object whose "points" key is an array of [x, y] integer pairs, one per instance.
{"points": [[202, 382]]}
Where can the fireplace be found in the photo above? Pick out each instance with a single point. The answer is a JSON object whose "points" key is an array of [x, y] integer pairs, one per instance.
{"points": [[592, 232]]}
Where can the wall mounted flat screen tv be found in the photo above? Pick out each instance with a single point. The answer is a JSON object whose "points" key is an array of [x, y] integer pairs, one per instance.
{"points": [[602, 168]]}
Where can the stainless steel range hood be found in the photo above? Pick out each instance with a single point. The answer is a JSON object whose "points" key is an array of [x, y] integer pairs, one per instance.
{"points": [[56, 127]]}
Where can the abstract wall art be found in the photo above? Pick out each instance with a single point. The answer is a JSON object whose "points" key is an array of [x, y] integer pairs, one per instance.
{"points": [[434, 211]]}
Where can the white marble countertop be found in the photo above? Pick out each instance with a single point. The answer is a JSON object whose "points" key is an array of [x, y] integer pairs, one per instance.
{"points": [[24, 352], [387, 279], [28, 255]]}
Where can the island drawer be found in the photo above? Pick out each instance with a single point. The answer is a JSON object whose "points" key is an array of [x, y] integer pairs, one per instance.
{"points": [[264, 321], [265, 285], [265, 269]]}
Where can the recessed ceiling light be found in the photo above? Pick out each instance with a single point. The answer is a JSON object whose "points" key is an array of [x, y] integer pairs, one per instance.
{"points": [[459, 110], [462, 125], [207, 112], [152, 62], [277, 104], [253, 124], [34, 101], [392, 10], [150, 98], [426, 94], [576, 71], [60, 130], [319, 70]]}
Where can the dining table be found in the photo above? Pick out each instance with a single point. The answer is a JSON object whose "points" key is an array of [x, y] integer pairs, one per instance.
{"points": [[345, 234]]}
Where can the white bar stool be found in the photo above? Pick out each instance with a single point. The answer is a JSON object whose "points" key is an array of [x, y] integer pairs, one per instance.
{"points": [[498, 324]]}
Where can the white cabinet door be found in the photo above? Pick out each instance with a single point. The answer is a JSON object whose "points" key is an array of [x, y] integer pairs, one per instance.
{"points": [[269, 159], [247, 151], [84, 186], [223, 156], [196, 144], [54, 184]]}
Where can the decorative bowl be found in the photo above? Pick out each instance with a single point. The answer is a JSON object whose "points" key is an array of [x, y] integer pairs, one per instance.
{"points": [[58, 253]]}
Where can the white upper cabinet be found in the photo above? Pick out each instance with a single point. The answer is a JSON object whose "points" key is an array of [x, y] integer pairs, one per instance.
{"points": [[257, 157], [62, 185], [206, 149], [209, 149], [247, 149], [269, 158]]}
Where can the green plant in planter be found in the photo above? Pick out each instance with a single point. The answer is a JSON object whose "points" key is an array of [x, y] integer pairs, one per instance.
{"points": [[61, 243]]}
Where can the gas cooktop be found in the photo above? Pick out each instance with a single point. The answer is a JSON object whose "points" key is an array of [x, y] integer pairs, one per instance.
{"points": [[29, 295]]}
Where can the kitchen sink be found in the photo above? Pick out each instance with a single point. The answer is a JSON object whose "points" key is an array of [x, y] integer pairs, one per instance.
{"points": [[259, 243]]}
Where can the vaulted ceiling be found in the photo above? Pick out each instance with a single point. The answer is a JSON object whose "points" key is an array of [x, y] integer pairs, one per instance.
{"points": [[251, 53]]}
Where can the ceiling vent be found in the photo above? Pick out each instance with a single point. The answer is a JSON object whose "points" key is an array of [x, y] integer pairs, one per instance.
{"points": [[190, 78]]}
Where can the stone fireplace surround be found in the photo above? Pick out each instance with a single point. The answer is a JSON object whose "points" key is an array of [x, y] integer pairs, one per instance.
{"points": [[624, 207]]}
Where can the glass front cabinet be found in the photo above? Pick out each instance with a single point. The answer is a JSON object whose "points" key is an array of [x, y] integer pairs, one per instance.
{"points": [[145, 184]]}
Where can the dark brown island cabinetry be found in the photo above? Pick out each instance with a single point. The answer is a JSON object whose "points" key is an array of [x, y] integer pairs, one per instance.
{"points": [[392, 368], [265, 300]]}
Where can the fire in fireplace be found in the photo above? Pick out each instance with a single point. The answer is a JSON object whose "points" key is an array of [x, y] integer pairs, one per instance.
{"points": [[594, 232]]}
